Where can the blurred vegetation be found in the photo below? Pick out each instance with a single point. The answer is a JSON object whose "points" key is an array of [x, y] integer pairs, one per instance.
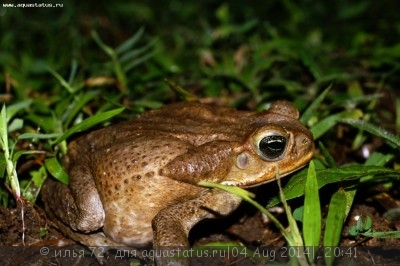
{"points": [[211, 47], [60, 66]]}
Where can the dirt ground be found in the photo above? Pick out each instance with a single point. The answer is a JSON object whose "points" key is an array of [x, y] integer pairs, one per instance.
{"points": [[26, 235]]}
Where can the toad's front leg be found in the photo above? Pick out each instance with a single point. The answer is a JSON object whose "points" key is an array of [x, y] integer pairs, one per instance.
{"points": [[172, 225]]}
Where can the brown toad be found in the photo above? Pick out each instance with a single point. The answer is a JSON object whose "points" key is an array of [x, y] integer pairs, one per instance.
{"points": [[135, 182]]}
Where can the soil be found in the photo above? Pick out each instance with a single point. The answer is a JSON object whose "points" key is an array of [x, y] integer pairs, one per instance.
{"points": [[26, 234]]}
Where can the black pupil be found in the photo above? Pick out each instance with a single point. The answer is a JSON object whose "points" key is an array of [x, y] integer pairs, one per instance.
{"points": [[272, 146]]}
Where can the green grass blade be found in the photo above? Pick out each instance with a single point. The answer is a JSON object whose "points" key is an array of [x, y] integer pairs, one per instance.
{"points": [[3, 129], [61, 80], [107, 49], [10, 167], [247, 196], [373, 129], [74, 68], [135, 53], [137, 62], [388, 234], [295, 187], [119, 72], [328, 157], [88, 123], [77, 106], [310, 62], [3, 165], [38, 136], [294, 237], [310, 111], [128, 44], [312, 211]]}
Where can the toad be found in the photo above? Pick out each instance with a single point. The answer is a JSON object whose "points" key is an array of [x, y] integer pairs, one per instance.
{"points": [[136, 183]]}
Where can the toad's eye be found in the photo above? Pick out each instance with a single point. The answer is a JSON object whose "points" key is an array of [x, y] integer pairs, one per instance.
{"points": [[272, 146]]}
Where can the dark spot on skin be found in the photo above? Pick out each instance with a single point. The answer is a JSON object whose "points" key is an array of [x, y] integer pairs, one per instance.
{"points": [[150, 174], [126, 181], [144, 164], [137, 176], [117, 187]]}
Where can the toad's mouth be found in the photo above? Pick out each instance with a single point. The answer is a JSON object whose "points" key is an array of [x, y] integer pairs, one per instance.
{"points": [[274, 172], [274, 178]]}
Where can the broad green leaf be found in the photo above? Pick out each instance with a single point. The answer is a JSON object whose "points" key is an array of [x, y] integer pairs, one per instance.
{"points": [[88, 123], [312, 211], [334, 223], [56, 170], [367, 224], [327, 123], [295, 187], [298, 214], [16, 124], [13, 109], [44, 123], [31, 191], [377, 158], [363, 226]]}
